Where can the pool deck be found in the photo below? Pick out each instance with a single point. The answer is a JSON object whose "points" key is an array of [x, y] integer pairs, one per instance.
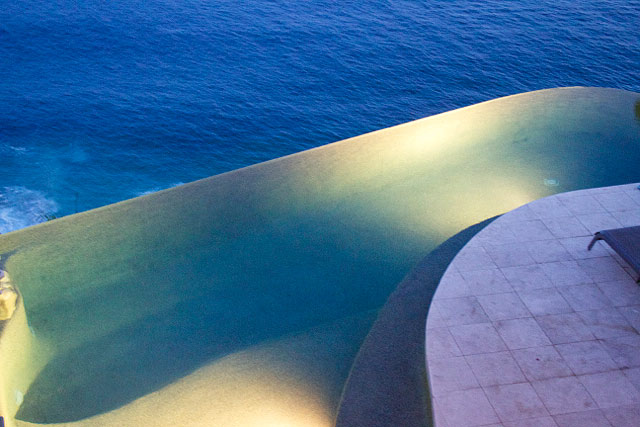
{"points": [[528, 328]]}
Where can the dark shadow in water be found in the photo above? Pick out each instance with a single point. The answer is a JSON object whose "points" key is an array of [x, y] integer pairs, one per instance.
{"points": [[4, 258], [109, 372], [387, 384], [637, 110]]}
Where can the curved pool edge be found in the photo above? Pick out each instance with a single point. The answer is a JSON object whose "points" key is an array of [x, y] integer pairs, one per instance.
{"points": [[387, 384]]}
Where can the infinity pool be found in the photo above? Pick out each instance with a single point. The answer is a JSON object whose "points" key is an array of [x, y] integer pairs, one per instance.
{"points": [[243, 299]]}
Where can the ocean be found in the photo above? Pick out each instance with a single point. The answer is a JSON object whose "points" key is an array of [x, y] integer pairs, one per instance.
{"points": [[101, 101]]}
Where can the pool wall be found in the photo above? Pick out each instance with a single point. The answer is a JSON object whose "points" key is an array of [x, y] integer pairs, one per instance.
{"points": [[21, 357]]}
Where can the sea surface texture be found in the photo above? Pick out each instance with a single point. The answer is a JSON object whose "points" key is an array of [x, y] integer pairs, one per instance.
{"points": [[103, 101]]}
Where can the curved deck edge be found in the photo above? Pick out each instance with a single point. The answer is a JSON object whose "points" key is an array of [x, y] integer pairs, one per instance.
{"points": [[527, 324]]}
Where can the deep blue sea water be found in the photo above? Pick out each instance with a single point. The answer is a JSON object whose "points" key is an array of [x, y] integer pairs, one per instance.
{"points": [[101, 101]]}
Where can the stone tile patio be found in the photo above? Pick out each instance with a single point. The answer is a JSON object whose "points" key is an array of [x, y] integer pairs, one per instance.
{"points": [[528, 328]]}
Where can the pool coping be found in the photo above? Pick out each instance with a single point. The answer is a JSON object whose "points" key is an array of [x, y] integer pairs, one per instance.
{"points": [[527, 327]]}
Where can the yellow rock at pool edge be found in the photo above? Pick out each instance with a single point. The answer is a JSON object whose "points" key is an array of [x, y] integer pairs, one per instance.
{"points": [[8, 297]]}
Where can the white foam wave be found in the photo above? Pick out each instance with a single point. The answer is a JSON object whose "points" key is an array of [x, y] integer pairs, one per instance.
{"points": [[17, 149], [21, 207], [158, 188]]}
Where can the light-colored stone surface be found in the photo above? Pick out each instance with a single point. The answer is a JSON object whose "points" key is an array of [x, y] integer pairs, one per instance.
{"points": [[528, 328]]}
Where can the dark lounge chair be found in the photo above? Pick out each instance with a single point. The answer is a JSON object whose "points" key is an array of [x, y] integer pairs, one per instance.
{"points": [[625, 241]]}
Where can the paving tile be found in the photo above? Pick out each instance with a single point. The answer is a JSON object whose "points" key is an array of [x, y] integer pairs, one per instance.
{"points": [[495, 232], [582, 205], [440, 343], [564, 328], [438, 415], [509, 255], [527, 277], [527, 231], [563, 395], [485, 282], [473, 243], [548, 251], [625, 350], [450, 374], [627, 188], [434, 322], [598, 221], [540, 267], [540, 363], [477, 338], [593, 418], [585, 297], [549, 207], [451, 268], [532, 422], [632, 314], [586, 357], [610, 389], [523, 213], [473, 258], [633, 375], [566, 227], [634, 193], [577, 193], [495, 368], [541, 302], [623, 416], [452, 285], [603, 269], [606, 323], [521, 333], [621, 293], [615, 202], [627, 218], [577, 247], [503, 306], [467, 408], [515, 402], [434, 318], [461, 311], [611, 189], [565, 273]]}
